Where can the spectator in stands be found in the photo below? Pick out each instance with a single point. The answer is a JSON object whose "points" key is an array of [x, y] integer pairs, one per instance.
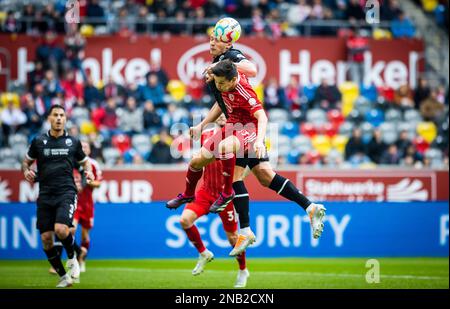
{"points": [[357, 45], [293, 97], [412, 158], [318, 10], [155, 68], [52, 87], [10, 25], [12, 119], [92, 95], [28, 24], [376, 147], [160, 153], [113, 90], [402, 27], [212, 9], [355, 144], [105, 118], [391, 156], [39, 100], [327, 96], [142, 20], [151, 119], [80, 113], [403, 143], [73, 90], [422, 92], [132, 90], [34, 116], [153, 90], [390, 10], [431, 108], [201, 25], [37, 75], [49, 53], [172, 116], [298, 13], [258, 23], [178, 28], [95, 12], [130, 117], [354, 11], [74, 46], [404, 97], [273, 25], [96, 146], [124, 25], [273, 95], [245, 9]]}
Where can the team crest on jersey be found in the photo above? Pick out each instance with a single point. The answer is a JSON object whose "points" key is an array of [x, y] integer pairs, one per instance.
{"points": [[69, 142], [252, 101], [231, 97]]}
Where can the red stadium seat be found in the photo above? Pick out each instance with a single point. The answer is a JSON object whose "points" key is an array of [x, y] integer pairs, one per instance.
{"points": [[335, 117], [122, 142], [421, 144], [308, 129]]}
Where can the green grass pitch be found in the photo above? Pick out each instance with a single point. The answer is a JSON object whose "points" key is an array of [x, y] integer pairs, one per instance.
{"points": [[265, 273]]}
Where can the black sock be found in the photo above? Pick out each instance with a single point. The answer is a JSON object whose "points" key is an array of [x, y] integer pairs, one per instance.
{"points": [[58, 245], [286, 189], [241, 203], [68, 245], [55, 260], [77, 248]]}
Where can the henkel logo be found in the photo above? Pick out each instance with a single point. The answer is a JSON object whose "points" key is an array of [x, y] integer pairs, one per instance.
{"points": [[383, 188], [194, 61]]}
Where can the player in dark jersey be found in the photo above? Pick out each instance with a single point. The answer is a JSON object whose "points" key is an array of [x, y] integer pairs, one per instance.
{"points": [[54, 153], [204, 198]]}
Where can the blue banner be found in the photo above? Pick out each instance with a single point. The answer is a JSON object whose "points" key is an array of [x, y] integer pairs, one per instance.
{"points": [[282, 230]]}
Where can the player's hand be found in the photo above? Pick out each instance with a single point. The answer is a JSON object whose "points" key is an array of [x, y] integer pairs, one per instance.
{"points": [[30, 175], [208, 72], [195, 132], [89, 177], [260, 149]]}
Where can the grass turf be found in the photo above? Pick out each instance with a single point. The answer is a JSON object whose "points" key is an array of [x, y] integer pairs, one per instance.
{"points": [[267, 273]]}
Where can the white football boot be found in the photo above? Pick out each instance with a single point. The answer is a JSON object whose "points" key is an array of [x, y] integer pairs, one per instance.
{"points": [[74, 269], [241, 281], [316, 213], [204, 258], [65, 281]]}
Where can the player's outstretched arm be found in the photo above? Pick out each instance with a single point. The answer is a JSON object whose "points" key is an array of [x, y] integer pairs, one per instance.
{"points": [[259, 146], [28, 173], [246, 67]]}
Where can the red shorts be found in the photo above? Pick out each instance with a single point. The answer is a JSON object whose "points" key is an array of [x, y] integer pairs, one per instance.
{"points": [[85, 216], [204, 200], [246, 136]]}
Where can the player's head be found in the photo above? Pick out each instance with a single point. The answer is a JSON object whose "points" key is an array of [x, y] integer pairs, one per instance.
{"points": [[217, 47], [57, 117], [86, 148], [225, 75]]}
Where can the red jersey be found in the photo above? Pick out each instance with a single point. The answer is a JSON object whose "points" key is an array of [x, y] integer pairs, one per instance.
{"points": [[85, 198], [242, 103], [212, 175]]}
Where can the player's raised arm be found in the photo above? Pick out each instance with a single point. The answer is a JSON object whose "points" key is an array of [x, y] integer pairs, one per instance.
{"points": [[246, 67], [259, 146]]}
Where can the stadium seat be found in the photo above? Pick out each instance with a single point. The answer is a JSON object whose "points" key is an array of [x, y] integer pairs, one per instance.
{"points": [[421, 144], [9, 96], [301, 144], [393, 115], [278, 115], [293, 156], [283, 146], [87, 127], [381, 34], [355, 117], [375, 117], [339, 142], [350, 92], [367, 131], [363, 105], [329, 129], [435, 157], [346, 128], [427, 130], [316, 116], [412, 116], [298, 116], [322, 144], [387, 93], [8, 157], [308, 129], [111, 155], [335, 117], [309, 92], [290, 129], [18, 139], [408, 127], [142, 143], [176, 89], [121, 142], [368, 92], [389, 133], [334, 158]]}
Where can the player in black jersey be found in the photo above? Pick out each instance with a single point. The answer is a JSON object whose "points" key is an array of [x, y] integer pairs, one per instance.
{"points": [[55, 153]]}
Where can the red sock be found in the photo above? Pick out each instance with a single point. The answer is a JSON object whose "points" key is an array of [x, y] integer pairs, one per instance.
{"points": [[194, 236], [85, 244], [192, 178], [241, 260], [228, 172]]}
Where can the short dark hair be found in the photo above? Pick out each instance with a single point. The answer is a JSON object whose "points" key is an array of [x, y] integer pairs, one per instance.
{"points": [[225, 68], [55, 107]]}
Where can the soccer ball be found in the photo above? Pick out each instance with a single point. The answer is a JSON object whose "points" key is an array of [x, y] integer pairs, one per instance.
{"points": [[227, 30]]}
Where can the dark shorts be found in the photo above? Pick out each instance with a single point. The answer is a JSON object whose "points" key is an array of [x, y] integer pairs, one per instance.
{"points": [[53, 209], [250, 162]]}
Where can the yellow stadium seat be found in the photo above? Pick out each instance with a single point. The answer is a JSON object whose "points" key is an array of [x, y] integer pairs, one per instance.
{"points": [[87, 128], [430, 5], [350, 92], [87, 31], [382, 34], [322, 144], [260, 92], [427, 130], [176, 89], [339, 142], [9, 96]]}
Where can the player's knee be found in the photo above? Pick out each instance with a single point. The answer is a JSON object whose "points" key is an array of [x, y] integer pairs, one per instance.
{"points": [[62, 231], [264, 180], [186, 222]]}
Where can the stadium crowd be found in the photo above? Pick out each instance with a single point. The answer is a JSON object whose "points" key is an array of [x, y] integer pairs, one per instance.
{"points": [[132, 123]]}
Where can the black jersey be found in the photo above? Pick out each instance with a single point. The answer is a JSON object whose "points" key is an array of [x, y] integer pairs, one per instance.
{"points": [[234, 55], [55, 159]]}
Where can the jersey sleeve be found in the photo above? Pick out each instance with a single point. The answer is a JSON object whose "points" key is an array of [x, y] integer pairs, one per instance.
{"points": [[32, 152], [80, 156], [236, 56], [96, 170], [246, 91]]}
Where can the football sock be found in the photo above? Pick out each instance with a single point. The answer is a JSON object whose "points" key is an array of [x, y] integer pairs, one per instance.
{"points": [[192, 178], [76, 248], [194, 236], [286, 189], [228, 164], [241, 203], [241, 260], [68, 245], [86, 244], [55, 260], [58, 245]]}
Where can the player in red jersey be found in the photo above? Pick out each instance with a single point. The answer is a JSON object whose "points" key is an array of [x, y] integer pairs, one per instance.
{"points": [[204, 198], [84, 214], [242, 135]]}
